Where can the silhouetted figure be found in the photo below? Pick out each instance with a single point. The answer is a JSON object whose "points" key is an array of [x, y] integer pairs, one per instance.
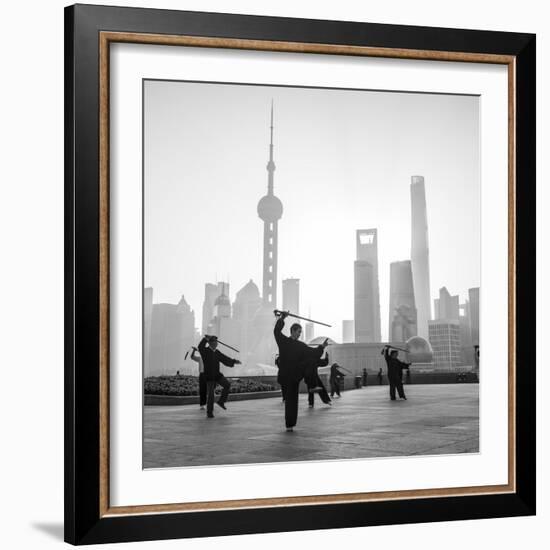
{"points": [[395, 372], [202, 378], [279, 380], [314, 382], [380, 377], [335, 377], [293, 359], [212, 358], [365, 377]]}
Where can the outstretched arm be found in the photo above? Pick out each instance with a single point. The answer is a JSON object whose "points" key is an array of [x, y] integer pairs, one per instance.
{"points": [[193, 356], [227, 361], [323, 362]]}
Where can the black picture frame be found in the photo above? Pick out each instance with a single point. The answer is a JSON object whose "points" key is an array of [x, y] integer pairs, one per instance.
{"points": [[84, 522]]}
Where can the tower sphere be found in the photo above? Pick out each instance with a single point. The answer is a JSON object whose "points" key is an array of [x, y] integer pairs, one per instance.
{"points": [[270, 208]]}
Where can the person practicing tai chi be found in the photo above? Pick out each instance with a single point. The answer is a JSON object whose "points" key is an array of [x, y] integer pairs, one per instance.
{"points": [[395, 372], [294, 356], [335, 376], [202, 379], [314, 382], [212, 358]]}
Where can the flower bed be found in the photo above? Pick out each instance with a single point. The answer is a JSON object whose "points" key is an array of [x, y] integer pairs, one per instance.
{"points": [[189, 385]]}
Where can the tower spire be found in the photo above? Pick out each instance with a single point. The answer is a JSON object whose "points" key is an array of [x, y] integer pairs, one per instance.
{"points": [[270, 210], [271, 163]]}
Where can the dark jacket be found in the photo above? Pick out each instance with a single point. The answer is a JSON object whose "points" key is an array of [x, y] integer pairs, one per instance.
{"points": [[212, 359], [395, 366], [335, 374], [294, 355]]}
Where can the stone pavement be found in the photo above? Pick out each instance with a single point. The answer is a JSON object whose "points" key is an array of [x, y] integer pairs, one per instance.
{"points": [[436, 419]]}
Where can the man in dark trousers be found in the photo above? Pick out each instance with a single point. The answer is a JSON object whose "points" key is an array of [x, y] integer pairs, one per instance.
{"points": [[335, 377], [314, 382], [202, 379], [293, 359], [395, 372], [212, 357], [279, 381]]}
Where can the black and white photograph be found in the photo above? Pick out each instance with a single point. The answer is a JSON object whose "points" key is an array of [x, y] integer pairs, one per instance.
{"points": [[311, 274]]}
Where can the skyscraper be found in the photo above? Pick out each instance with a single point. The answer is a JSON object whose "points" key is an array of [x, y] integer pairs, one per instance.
{"points": [[367, 294], [211, 292], [444, 335], [172, 333], [348, 331], [291, 295], [402, 313], [420, 257], [446, 306], [270, 210]]}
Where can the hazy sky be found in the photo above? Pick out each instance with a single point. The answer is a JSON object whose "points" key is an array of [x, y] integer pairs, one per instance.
{"points": [[344, 162]]}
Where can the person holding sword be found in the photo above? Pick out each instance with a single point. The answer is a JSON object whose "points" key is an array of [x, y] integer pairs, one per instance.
{"points": [[294, 357], [212, 357]]}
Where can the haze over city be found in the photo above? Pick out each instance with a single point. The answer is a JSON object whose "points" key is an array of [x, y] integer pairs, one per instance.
{"points": [[344, 161]]}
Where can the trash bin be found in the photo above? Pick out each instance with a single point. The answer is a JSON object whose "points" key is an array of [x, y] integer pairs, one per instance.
{"points": [[357, 382]]}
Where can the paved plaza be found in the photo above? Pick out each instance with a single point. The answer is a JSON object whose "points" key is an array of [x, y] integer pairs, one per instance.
{"points": [[363, 423]]}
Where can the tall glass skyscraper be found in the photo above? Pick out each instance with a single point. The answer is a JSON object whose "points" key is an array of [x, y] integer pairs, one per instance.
{"points": [[367, 293], [420, 256]]}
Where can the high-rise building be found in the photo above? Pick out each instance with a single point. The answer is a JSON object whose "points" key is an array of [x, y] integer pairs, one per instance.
{"points": [[367, 294], [291, 295], [444, 336], [348, 331], [466, 345], [147, 318], [246, 305], [172, 334], [402, 313], [211, 292], [270, 211], [310, 332], [420, 257], [473, 294], [446, 306]]}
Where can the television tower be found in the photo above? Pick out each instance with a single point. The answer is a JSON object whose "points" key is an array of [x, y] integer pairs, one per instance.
{"points": [[270, 211]]}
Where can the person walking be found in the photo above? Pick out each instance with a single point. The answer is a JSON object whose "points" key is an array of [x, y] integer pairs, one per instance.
{"points": [[212, 357]]}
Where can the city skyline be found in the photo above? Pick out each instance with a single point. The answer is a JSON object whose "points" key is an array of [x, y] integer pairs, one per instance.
{"points": [[319, 268]]}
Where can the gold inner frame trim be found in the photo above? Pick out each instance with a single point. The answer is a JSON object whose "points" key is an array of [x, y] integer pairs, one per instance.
{"points": [[105, 39]]}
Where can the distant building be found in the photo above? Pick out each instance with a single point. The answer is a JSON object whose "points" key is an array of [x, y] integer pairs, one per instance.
{"points": [[147, 319], [447, 306], [309, 332], [356, 357], [211, 292], [473, 294], [245, 307], [420, 256], [367, 294], [444, 337], [402, 313], [348, 331], [291, 295], [466, 346], [172, 334]]}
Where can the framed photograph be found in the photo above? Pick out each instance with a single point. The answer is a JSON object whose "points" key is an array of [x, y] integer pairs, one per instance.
{"points": [[300, 274]]}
